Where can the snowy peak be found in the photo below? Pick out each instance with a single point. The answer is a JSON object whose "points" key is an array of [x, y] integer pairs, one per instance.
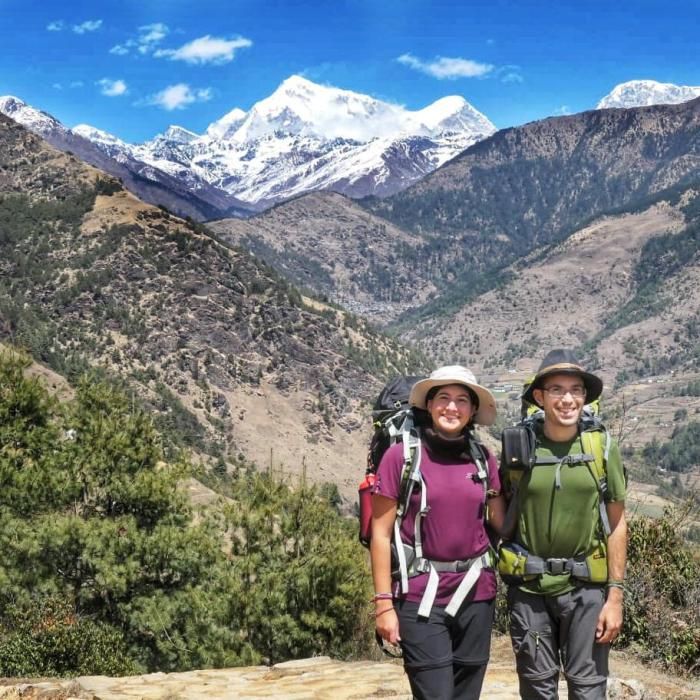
{"points": [[226, 126], [301, 107], [178, 134], [453, 114], [98, 136], [29, 117], [303, 137], [642, 93]]}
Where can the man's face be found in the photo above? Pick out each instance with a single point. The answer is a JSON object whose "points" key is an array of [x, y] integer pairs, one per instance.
{"points": [[562, 397]]}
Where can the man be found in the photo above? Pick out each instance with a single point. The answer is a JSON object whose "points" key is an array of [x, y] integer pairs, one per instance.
{"points": [[566, 607]]}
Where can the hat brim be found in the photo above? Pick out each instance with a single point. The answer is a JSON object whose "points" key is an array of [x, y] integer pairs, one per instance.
{"points": [[593, 384], [486, 413]]}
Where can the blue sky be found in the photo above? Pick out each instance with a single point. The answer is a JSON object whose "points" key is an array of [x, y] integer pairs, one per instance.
{"points": [[132, 68]]}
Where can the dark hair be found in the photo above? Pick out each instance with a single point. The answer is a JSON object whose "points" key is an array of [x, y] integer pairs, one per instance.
{"points": [[472, 395]]}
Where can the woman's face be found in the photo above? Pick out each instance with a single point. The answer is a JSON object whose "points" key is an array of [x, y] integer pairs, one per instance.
{"points": [[451, 409]]}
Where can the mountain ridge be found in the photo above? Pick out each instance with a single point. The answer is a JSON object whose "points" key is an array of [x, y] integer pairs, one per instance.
{"points": [[644, 93], [216, 344], [301, 138]]}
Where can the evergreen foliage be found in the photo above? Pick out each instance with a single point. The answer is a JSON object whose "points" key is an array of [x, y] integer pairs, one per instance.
{"points": [[680, 454], [662, 598], [298, 563], [106, 569]]}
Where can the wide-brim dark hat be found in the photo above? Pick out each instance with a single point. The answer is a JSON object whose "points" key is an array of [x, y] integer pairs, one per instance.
{"points": [[564, 361]]}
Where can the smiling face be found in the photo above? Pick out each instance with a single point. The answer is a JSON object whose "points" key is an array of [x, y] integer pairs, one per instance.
{"points": [[451, 408], [562, 397]]}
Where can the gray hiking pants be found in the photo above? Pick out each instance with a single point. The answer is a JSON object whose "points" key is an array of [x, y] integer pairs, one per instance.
{"points": [[553, 632]]}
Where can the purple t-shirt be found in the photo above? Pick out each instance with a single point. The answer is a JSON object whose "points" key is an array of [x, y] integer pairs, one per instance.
{"points": [[454, 527]]}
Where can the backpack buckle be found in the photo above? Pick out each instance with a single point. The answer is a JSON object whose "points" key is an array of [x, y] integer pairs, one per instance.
{"points": [[422, 565], [556, 567]]}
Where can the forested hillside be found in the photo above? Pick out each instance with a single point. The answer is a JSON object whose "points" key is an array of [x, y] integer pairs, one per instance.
{"points": [[218, 345]]}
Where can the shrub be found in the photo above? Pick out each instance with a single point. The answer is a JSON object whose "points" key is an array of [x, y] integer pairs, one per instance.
{"points": [[46, 637], [662, 600]]}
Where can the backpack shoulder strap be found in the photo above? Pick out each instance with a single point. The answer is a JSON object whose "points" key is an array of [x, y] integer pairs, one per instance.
{"points": [[410, 478], [481, 460], [597, 443], [409, 433]]}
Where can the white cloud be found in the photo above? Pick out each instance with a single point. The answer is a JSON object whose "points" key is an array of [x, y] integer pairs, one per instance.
{"points": [[123, 49], [150, 35], [56, 26], [511, 77], [90, 25], [444, 68], [206, 49], [563, 111], [112, 88], [178, 97], [146, 41]]}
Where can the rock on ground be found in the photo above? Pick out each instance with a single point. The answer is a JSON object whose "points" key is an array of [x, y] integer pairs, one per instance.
{"points": [[321, 678]]}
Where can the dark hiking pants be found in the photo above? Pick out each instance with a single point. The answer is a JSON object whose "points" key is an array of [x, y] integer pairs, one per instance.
{"points": [[553, 632]]}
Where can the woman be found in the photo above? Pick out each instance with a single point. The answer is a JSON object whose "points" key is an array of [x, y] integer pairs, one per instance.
{"points": [[442, 619]]}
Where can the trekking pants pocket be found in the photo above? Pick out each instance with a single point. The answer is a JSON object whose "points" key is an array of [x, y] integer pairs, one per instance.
{"points": [[534, 645]]}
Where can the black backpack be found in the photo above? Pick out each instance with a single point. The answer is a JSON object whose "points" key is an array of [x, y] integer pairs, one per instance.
{"points": [[392, 419]]}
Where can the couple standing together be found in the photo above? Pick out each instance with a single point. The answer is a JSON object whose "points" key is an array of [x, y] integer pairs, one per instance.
{"points": [[563, 527]]}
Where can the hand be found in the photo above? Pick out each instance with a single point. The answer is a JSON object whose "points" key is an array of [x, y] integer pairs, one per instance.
{"points": [[610, 618], [388, 626]]}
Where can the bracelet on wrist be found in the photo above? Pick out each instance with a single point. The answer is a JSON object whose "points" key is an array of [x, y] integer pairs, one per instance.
{"points": [[382, 596], [616, 584], [381, 612]]}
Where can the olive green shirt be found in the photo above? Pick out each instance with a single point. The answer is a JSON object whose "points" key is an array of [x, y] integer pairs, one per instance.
{"points": [[563, 522]]}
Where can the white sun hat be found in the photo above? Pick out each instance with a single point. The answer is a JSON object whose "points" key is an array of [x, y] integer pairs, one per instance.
{"points": [[456, 374]]}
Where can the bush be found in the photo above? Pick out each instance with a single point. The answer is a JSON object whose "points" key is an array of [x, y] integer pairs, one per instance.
{"points": [[46, 637], [106, 569], [303, 576], [662, 600]]}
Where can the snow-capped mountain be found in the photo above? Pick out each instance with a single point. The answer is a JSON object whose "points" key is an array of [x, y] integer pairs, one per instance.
{"points": [[112, 155], [307, 137], [301, 138], [643, 93], [33, 119]]}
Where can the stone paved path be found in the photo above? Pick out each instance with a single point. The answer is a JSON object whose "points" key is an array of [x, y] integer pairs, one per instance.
{"points": [[322, 679]]}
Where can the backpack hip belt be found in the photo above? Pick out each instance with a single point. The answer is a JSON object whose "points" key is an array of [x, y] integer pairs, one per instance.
{"points": [[516, 565], [415, 566], [578, 568]]}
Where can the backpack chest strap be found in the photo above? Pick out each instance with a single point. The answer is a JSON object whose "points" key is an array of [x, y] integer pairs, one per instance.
{"points": [[583, 458]]}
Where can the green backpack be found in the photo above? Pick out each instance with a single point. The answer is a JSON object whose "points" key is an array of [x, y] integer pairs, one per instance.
{"points": [[518, 455]]}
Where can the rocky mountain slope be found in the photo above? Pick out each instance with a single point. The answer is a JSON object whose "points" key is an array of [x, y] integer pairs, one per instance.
{"points": [[532, 185], [231, 358], [327, 243], [425, 251], [304, 137], [151, 184], [623, 290]]}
